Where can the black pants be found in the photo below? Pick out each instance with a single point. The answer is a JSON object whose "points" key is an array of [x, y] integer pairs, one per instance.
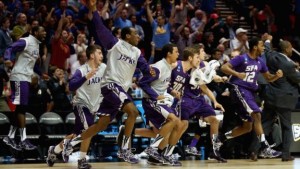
{"points": [[286, 125], [267, 118]]}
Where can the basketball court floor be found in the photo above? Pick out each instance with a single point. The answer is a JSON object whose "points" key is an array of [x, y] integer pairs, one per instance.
{"points": [[187, 164]]}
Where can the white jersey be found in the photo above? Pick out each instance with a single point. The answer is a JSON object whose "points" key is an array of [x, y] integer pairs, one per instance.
{"points": [[89, 93], [122, 60], [161, 85], [23, 68]]}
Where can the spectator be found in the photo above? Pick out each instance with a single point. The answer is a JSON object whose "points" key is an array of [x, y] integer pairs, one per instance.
{"points": [[208, 42], [198, 20], [3, 11], [229, 28], [223, 58], [81, 59], [225, 43], [214, 25], [3, 80], [5, 39], [40, 99], [138, 28], [184, 38], [181, 12], [120, 17], [63, 10], [21, 28], [60, 44], [58, 88], [240, 42], [161, 30], [117, 32]]}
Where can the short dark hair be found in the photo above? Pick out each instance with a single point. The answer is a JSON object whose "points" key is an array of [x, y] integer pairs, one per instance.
{"points": [[80, 54], [125, 31], [214, 51], [187, 52], [167, 48], [253, 42], [91, 49], [35, 29], [283, 45], [3, 20], [115, 31], [198, 46]]}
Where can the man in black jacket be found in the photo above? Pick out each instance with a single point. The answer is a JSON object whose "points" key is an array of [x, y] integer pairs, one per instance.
{"points": [[281, 95]]}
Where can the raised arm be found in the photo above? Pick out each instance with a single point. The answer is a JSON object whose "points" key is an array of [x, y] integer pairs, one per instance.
{"points": [[105, 8], [103, 34], [119, 9], [172, 17], [179, 29], [149, 14], [268, 48], [59, 29]]}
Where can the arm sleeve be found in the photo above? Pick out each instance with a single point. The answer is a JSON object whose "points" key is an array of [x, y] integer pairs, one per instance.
{"points": [[145, 82], [143, 65], [76, 80], [103, 34], [236, 61], [18, 46], [171, 84], [291, 73]]}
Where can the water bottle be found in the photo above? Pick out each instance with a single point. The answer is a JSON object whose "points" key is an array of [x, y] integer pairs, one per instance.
{"points": [[139, 93], [202, 153], [133, 94]]}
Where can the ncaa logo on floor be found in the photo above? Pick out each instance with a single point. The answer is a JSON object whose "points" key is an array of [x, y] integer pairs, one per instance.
{"points": [[296, 132]]}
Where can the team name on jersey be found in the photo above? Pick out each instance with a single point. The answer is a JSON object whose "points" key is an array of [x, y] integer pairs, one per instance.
{"points": [[179, 79], [126, 59], [251, 68], [94, 80], [34, 53]]}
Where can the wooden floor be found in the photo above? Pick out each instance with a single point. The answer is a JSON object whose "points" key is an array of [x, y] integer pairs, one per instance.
{"points": [[194, 164]]}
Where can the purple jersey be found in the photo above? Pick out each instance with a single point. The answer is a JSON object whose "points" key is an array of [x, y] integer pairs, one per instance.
{"points": [[180, 81], [178, 78], [252, 67]]}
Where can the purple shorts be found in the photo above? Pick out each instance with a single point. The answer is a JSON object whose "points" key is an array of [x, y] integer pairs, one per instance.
{"points": [[245, 101], [83, 118], [197, 106], [156, 114], [114, 98], [20, 92]]}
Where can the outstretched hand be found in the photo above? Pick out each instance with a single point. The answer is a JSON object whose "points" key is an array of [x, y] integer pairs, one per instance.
{"points": [[218, 105]]}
